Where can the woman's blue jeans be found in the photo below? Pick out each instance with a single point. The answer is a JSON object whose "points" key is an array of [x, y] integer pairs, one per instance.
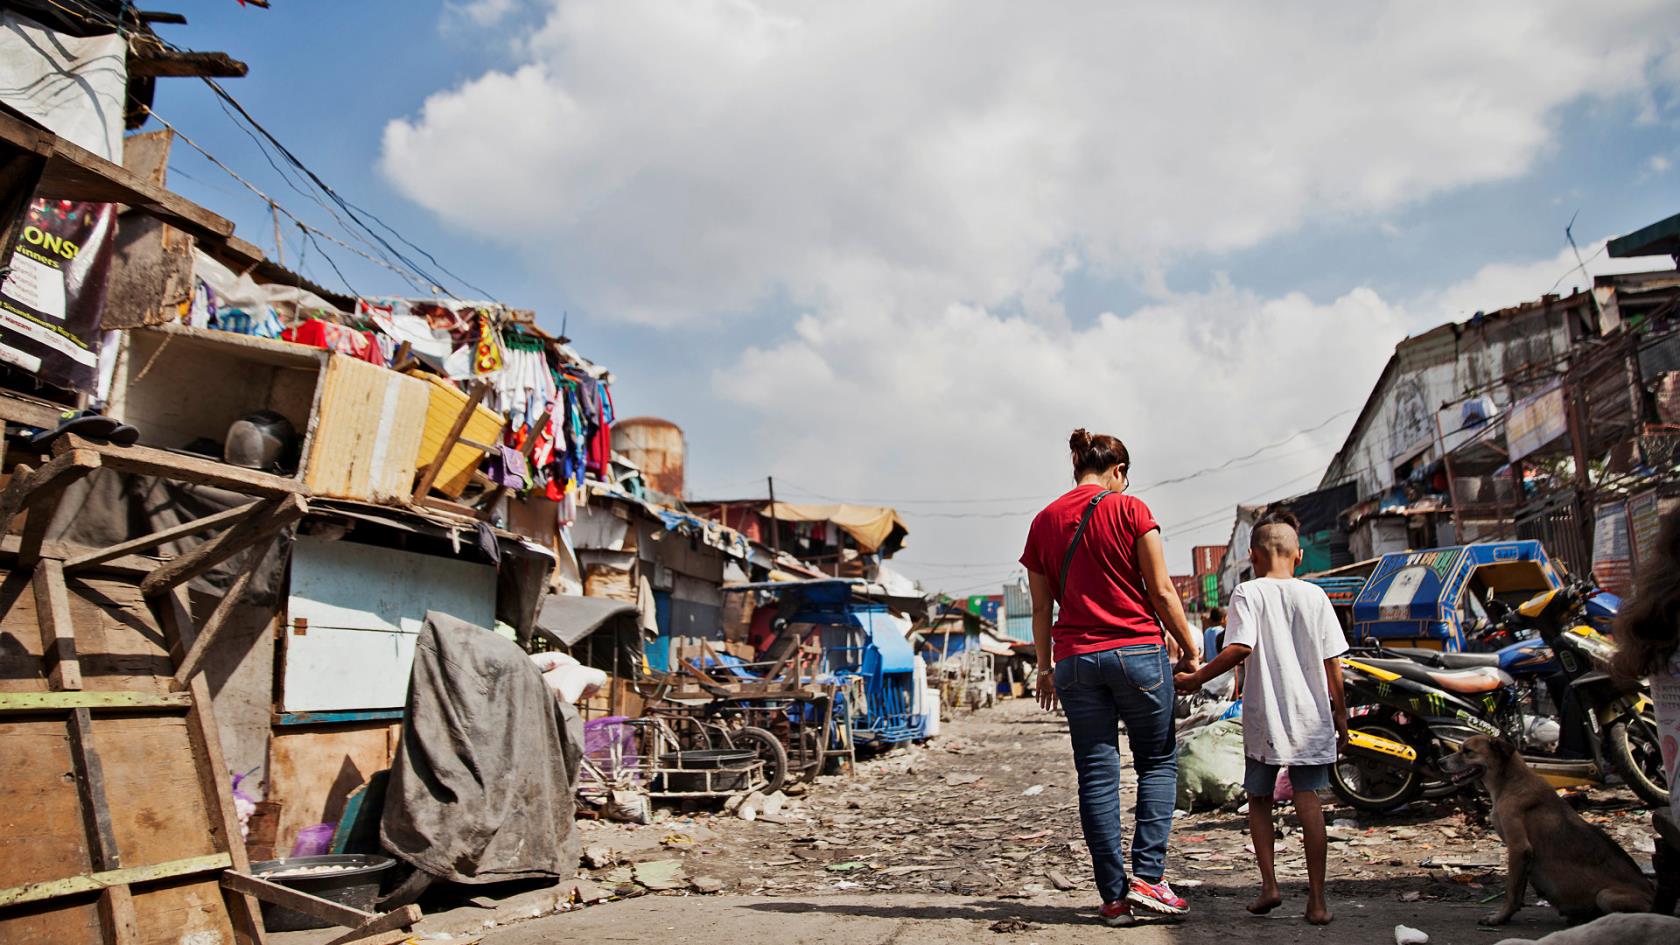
{"points": [[1129, 686]]}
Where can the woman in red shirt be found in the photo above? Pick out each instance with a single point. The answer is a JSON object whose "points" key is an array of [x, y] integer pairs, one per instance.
{"points": [[1097, 552]]}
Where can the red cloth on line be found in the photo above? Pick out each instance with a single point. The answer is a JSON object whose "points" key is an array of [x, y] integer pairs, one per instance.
{"points": [[319, 334], [1105, 605]]}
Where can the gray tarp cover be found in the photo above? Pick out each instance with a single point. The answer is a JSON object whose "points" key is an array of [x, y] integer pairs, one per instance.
{"points": [[482, 788], [567, 618]]}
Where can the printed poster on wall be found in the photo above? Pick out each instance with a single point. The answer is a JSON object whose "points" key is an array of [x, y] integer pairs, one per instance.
{"points": [[1612, 558], [54, 296], [1644, 517]]}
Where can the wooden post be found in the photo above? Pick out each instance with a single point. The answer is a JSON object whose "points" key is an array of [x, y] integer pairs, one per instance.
{"points": [[145, 542], [117, 917], [218, 796], [261, 524], [58, 635], [207, 635], [775, 523]]}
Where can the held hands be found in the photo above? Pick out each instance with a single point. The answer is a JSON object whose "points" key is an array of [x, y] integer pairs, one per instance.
{"points": [[1047, 691], [1187, 674]]}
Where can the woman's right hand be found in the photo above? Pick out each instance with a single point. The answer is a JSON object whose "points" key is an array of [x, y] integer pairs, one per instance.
{"points": [[1047, 691]]}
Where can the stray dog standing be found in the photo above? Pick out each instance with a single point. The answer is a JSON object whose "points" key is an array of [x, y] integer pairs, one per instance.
{"points": [[1574, 864]]}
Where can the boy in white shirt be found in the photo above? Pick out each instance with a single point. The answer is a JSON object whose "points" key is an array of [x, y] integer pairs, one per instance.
{"points": [[1294, 711]]}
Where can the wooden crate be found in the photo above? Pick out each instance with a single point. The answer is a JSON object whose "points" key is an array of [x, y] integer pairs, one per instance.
{"points": [[361, 424], [484, 427], [366, 440], [116, 817]]}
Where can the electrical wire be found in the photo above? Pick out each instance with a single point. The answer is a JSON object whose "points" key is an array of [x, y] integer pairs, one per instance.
{"points": [[271, 202], [353, 211]]}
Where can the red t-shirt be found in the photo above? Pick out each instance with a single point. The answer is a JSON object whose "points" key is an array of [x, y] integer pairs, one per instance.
{"points": [[1105, 604]]}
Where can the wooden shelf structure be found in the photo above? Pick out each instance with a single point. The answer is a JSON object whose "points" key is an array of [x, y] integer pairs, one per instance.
{"points": [[173, 712]]}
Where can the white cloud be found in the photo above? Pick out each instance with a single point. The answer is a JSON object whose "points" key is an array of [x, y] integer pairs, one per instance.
{"points": [[680, 160], [960, 402], [919, 182], [1658, 164], [481, 13]]}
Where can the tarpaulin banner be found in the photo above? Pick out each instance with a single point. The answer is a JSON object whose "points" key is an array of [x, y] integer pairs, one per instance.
{"points": [[52, 300], [1612, 566], [1534, 421]]}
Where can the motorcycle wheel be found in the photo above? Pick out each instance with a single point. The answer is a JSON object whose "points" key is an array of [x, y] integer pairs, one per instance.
{"points": [[1633, 748], [770, 750], [1370, 785]]}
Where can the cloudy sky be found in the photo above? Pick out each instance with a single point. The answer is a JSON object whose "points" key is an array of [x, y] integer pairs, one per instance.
{"points": [[894, 252]]}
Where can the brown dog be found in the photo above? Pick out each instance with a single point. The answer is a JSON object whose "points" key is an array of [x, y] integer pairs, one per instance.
{"points": [[1574, 864]]}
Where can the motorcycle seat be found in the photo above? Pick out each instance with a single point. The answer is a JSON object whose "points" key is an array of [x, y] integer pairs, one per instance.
{"points": [[1464, 681], [1436, 658], [1472, 681], [1470, 660]]}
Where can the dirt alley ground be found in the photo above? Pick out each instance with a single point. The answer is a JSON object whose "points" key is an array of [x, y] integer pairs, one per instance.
{"points": [[969, 838]]}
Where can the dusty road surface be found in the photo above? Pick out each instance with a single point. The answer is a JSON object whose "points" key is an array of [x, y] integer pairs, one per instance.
{"points": [[969, 839]]}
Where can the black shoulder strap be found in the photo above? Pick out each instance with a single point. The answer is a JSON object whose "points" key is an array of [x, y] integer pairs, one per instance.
{"points": [[1078, 533]]}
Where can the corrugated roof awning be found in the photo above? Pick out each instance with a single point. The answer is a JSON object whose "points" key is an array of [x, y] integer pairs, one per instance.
{"points": [[566, 618], [1661, 238], [873, 527]]}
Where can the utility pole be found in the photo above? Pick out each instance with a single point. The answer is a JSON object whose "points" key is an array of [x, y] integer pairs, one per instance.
{"points": [[279, 247], [775, 524]]}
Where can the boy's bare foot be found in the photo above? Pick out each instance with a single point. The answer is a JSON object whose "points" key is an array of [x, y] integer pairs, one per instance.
{"points": [[1318, 914], [1266, 903]]}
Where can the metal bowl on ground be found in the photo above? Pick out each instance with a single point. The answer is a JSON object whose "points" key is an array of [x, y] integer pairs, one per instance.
{"points": [[348, 879]]}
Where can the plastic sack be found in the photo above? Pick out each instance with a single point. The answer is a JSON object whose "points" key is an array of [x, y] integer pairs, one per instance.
{"points": [[314, 841], [569, 679], [244, 806], [1210, 767]]}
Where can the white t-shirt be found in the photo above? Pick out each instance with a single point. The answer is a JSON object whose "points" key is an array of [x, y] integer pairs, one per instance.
{"points": [[1292, 629]]}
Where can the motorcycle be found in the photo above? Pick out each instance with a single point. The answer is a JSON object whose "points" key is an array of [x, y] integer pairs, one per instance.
{"points": [[1409, 715]]}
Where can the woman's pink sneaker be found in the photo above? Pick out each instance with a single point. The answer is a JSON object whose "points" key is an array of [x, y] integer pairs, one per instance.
{"points": [[1117, 913], [1156, 897]]}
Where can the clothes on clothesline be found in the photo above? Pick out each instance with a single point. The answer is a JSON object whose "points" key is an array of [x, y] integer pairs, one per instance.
{"points": [[547, 393]]}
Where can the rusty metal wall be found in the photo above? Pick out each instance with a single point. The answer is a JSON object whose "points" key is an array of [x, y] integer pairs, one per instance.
{"points": [[658, 447]]}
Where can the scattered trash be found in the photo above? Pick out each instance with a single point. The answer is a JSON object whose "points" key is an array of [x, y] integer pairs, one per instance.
{"points": [[706, 885], [660, 874], [958, 780], [1008, 926], [1406, 935], [846, 867], [599, 856], [1062, 883], [1033, 791]]}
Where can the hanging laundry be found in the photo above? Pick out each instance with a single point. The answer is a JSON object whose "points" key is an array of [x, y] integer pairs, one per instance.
{"points": [[320, 334], [487, 350]]}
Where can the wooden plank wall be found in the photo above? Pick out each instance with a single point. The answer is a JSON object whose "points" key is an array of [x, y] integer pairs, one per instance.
{"points": [[313, 769], [115, 815]]}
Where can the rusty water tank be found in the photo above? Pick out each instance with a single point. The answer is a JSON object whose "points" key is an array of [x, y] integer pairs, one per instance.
{"points": [[657, 447]]}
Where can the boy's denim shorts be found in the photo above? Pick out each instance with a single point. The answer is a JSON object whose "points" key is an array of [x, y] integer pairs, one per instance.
{"points": [[1260, 779]]}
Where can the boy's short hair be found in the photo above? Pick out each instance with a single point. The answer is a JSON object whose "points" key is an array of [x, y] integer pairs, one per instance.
{"points": [[1278, 532]]}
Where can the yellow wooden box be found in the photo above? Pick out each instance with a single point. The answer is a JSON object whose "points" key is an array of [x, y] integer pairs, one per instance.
{"points": [[366, 440], [485, 426]]}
